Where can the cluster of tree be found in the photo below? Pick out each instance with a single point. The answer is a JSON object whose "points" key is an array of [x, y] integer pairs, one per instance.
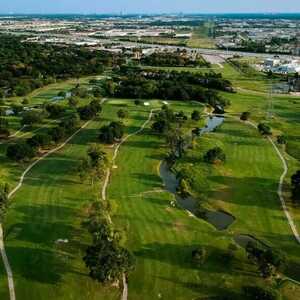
{"points": [[166, 118], [4, 128], [176, 59], [54, 110], [24, 151], [30, 118], [267, 260], [215, 155], [106, 259], [27, 66], [111, 133], [93, 166], [156, 84], [295, 181], [264, 129], [90, 111]]}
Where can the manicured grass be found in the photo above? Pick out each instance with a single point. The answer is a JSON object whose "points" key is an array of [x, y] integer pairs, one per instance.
{"points": [[162, 237], [245, 186]]}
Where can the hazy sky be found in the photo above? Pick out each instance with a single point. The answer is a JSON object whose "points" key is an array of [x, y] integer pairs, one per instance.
{"points": [[149, 6]]}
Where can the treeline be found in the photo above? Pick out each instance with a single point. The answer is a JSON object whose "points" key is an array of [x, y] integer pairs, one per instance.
{"points": [[177, 59], [135, 83], [27, 66], [69, 123]]}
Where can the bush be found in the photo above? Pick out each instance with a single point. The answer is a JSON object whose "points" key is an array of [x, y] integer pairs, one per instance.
{"points": [[215, 155]]}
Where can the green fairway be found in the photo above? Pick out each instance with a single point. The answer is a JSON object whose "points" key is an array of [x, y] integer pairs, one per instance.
{"points": [[52, 203]]}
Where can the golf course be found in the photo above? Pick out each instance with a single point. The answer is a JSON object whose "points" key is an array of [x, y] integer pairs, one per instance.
{"points": [[44, 234]]}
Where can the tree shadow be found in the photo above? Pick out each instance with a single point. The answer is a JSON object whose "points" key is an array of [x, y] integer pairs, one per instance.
{"points": [[37, 264]]}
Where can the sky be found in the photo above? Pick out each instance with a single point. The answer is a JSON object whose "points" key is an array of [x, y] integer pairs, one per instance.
{"points": [[148, 6]]}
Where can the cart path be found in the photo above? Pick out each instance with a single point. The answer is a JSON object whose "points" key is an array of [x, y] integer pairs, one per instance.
{"points": [[106, 182]]}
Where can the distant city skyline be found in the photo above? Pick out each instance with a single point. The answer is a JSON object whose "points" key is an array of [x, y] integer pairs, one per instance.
{"points": [[153, 6]]}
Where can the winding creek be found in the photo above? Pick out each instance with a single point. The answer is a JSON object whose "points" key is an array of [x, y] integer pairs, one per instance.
{"points": [[219, 219]]}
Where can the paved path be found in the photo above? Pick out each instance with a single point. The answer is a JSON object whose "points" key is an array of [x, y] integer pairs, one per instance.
{"points": [[7, 266], [106, 182]]}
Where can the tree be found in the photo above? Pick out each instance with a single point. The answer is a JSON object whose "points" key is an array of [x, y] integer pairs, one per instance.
{"points": [[93, 166], [215, 155], [245, 116], [20, 152], [281, 140], [107, 261], [196, 116], [40, 140], [295, 181], [55, 110], [105, 258], [70, 123], [57, 133], [267, 260], [31, 117], [264, 129], [90, 111], [122, 114], [111, 133]]}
